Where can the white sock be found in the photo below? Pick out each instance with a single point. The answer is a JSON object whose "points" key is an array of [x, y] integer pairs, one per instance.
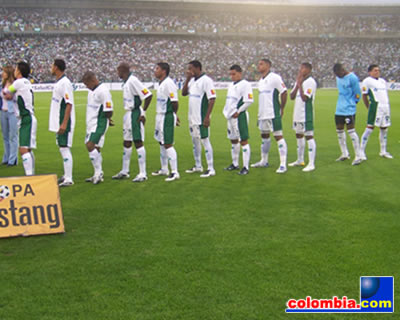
{"points": [[96, 159], [209, 153], [312, 151], [356, 142], [383, 139], [282, 147], [173, 159], [246, 156], [163, 158], [141, 152], [68, 163], [301, 145], [265, 146], [342, 142], [197, 151], [365, 137], [33, 161], [126, 159], [27, 163], [235, 154]]}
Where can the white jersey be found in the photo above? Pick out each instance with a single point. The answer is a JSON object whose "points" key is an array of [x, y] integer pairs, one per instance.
{"points": [[99, 101], [167, 92], [377, 91], [269, 89], [24, 95], [201, 90], [302, 109], [134, 92], [63, 94], [239, 93]]}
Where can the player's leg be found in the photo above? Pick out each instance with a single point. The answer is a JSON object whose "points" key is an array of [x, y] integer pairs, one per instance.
{"points": [[64, 142], [205, 140], [168, 134], [341, 134], [26, 140], [265, 127], [384, 123], [127, 147], [312, 151], [301, 144], [138, 138], [159, 136], [281, 142], [364, 140], [350, 123], [196, 140], [233, 136], [94, 141]]}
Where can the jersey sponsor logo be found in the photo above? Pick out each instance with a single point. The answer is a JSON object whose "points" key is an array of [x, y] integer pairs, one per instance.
{"points": [[364, 88], [357, 96], [67, 96], [171, 95], [145, 91], [108, 104], [212, 91], [250, 96], [309, 91]]}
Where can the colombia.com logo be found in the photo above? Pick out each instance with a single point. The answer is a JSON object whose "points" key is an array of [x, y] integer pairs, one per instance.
{"points": [[376, 296]]}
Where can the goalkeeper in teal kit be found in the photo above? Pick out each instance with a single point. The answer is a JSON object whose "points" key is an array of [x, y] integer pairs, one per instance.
{"points": [[349, 95]]}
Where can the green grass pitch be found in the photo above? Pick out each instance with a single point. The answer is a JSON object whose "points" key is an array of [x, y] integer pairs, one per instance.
{"points": [[228, 247]]}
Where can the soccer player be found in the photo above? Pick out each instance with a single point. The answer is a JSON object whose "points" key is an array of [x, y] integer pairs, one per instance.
{"points": [[238, 100], [376, 99], [98, 114], [303, 116], [134, 92], [349, 95], [22, 89], [201, 91], [166, 119], [62, 118], [270, 112]]}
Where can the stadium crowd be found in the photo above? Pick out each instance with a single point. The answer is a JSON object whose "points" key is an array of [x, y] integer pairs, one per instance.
{"points": [[102, 54], [31, 19]]}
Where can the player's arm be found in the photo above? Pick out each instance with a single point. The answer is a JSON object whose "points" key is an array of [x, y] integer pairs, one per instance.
{"points": [[365, 100], [298, 85], [293, 93], [67, 116], [283, 101], [356, 89], [206, 121], [210, 92], [247, 97], [185, 89]]}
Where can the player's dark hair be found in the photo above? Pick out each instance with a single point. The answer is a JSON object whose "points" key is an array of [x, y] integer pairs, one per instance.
{"points": [[24, 68], [124, 66], [307, 65], [337, 67], [267, 61], [196, 64], [164, 66], [372, 67], [89, 75], [236, 67], [60, 64]]}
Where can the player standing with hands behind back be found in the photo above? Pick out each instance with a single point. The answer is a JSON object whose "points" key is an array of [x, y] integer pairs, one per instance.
{"points": [[201, 91]]}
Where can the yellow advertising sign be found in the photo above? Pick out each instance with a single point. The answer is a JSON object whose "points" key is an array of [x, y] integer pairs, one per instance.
{"points": [[30, 206]]}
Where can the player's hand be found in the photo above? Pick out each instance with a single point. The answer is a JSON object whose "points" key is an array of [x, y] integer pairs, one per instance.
{"points": [[282, 112], [235, 115], [206, 122], [111, 122], [7, 95], [299, 79], [62, 129], [178, 121], [142, 119]]}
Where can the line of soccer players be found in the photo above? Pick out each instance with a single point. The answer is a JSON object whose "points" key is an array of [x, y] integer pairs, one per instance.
{"points": [[202, 95]]}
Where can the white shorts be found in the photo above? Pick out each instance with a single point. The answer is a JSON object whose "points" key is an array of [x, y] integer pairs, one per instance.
{"points": [[300, 128], [382, 118], [199, 131], [270, 125], [27, 132], [132, 133], [164, 128]]}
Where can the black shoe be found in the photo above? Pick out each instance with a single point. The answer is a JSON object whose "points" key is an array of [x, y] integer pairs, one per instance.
{"points": [[231, 168], [244, 171], [60, 179]]}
